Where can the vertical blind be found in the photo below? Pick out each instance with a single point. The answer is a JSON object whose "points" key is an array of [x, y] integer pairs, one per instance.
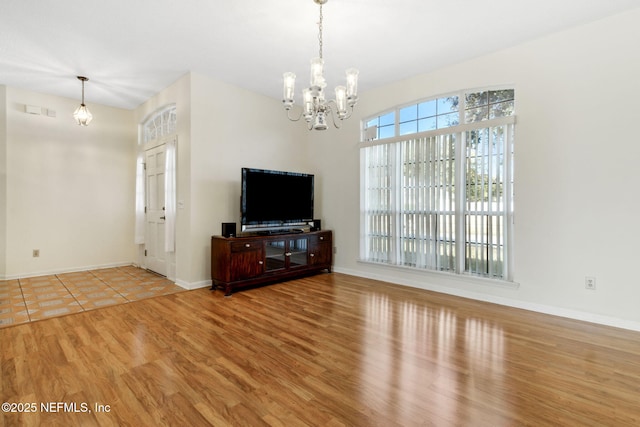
{"points": [[440, 202]]}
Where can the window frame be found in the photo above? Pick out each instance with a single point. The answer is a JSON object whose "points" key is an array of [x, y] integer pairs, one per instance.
{"points": [[159, 124], [461, 208]]}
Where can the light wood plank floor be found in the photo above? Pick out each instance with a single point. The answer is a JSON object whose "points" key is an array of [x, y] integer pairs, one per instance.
{"points": [[329, 350]]}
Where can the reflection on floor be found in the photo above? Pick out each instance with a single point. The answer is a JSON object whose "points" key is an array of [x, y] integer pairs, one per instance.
{"points": [[36, 298]]}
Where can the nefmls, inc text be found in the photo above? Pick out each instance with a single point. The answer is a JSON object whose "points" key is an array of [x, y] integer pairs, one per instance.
{"points": [[78, 407]]}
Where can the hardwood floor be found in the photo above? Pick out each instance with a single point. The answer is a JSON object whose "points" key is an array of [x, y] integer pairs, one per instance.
{"points": [[329, 350]]}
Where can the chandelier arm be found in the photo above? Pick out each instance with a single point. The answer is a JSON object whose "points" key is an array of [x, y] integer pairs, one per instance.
{"points": [[292, 118], [332, 112], [349, 113], [335, 123]]}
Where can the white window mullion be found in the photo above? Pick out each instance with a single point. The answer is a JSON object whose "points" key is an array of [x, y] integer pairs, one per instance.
{"points": [[442, 206], [365, 207], [437, 208], [395, 200], [433, 218], [447, 234], [404, 195], [508, 223], [451, 202], [482, 217], [460, 200], [386, 194], [491, 152], [448, 188], [422, 204]]}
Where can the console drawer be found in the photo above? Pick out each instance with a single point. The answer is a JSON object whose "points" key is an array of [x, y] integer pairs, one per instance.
{"points": [[251, 245]]}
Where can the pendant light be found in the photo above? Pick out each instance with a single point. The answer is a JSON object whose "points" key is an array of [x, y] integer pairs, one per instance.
{"points": [[82, 114]]}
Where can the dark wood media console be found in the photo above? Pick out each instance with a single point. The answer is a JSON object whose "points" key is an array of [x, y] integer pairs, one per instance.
{"points": [[252, 260]]}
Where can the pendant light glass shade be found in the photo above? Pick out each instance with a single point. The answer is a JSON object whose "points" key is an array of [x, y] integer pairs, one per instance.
{"points": [[82, 115]]}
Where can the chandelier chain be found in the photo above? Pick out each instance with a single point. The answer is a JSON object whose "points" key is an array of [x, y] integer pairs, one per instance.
{"points": [[320, 33]]}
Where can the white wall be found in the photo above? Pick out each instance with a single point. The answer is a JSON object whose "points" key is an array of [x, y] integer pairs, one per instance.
{"points": [[233, 128], [69, 189], [576, 166], [3, 179], [221, 128]]}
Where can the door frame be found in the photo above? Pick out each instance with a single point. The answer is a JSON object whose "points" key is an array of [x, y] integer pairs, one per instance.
{"points": [[170, 257]]}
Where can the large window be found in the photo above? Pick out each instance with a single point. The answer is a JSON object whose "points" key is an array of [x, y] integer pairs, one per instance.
{"points": [[437, 185]]}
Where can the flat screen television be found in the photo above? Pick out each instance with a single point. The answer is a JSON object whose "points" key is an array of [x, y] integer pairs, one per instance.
{"points": [[273, 199]]}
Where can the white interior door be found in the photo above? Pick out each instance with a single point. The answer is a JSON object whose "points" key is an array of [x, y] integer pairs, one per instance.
{"points": [[155, 255]]}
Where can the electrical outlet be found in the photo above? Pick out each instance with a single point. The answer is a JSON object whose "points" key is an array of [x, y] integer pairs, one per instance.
{"points": [[36, 253], [590, 282]]}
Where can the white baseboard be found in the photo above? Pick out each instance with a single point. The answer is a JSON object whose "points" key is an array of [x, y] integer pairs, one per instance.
{"points": [[65, 270], [193, 285], [524, 305], [181, 283]]}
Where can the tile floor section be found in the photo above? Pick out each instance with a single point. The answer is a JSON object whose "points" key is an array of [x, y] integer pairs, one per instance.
{"points": [[36, 298]]}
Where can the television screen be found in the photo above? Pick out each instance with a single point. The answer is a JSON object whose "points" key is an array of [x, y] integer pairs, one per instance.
{"points": [[272, 198]]}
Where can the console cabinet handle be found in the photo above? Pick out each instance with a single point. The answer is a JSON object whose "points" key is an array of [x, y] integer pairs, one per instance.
{"points": [[321, 237], [288, 253], [247, 245], [312, 254], [260, 262]]}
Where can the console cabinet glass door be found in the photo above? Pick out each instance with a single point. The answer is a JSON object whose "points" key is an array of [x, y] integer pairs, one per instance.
{"points": [[297, 252], [289, 253], [275, 258]]}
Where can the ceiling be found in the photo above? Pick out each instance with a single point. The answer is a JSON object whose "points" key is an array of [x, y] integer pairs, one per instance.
{"points": [[131, 50]]}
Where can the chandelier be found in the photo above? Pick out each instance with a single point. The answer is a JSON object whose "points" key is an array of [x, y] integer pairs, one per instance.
{"points": [[82, 114], [315, 108]]}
